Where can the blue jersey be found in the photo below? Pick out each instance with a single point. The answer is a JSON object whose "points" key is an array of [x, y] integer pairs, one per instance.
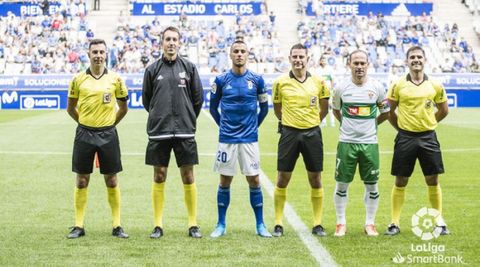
{"points": [[238, 96]]}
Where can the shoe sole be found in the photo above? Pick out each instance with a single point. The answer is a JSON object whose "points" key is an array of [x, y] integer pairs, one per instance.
{"points": [[392, 234], [195, 236], [370, 234], [216, 236], [75, 237], [340, 234], [319, 235], [264, 235]]}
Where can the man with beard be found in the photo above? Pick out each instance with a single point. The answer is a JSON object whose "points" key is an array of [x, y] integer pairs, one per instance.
{"points": [[93, 96]]}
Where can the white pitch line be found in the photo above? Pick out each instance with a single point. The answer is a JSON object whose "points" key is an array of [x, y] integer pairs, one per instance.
{"points": [[318, 251], [321, 255]]}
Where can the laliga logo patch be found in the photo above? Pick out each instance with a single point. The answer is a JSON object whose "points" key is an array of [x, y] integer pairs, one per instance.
{"points": [[423, 223], [214, 88]]}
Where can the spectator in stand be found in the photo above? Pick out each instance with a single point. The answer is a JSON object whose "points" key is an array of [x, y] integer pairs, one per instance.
{"points": [[45, 6], [89, 34]]}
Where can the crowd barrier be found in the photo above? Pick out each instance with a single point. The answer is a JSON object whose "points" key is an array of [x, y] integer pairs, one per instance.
{"points": [[32, 92]]}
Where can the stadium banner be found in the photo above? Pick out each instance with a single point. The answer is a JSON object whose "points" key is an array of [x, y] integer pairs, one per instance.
{"points": [[363, 9], [26, 8], [32, 92], [196, 9]]}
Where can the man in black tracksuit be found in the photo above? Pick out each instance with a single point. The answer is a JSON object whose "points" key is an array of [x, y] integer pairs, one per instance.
{"points": [[173, 96]]}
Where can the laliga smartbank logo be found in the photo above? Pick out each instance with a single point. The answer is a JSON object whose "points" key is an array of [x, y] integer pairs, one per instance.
{"points": [[424, 225]]}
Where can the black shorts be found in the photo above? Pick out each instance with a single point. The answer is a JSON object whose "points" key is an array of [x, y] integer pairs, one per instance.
{"points": [[409, 146], [104, 142], [294, 141], [158, 152]]}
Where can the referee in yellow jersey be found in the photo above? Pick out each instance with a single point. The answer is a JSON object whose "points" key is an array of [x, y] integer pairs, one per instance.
{"points": [[93, 96], [300, 102], [417, 104]]}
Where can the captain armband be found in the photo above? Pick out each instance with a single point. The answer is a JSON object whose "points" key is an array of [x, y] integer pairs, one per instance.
{"points": [[262, 98]]}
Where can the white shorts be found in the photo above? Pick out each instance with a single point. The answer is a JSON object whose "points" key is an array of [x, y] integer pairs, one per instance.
{"points": [[248, 156]]}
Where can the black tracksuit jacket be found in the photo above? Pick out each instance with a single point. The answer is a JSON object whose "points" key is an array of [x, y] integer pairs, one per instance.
{"points": [[172, 94]]}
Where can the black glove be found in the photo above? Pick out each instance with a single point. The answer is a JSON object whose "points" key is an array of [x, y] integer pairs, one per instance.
{"points": [[280, 127]]}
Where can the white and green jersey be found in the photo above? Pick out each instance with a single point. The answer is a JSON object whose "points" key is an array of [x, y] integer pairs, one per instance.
{"points": [[359, 106]]}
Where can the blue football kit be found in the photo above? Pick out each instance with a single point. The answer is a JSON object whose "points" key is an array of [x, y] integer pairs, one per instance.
{"points": [[237, 96]]}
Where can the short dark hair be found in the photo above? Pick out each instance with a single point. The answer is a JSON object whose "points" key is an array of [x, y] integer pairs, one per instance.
{"points": [[95, 42], [413, 48], [172, 29], [298, 46], [238, 42], [349, 59]]}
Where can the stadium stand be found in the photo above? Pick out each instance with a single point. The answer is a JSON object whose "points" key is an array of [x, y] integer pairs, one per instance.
{"points": [[386, 38], [45, 43], [205, 40], [55, 43]]}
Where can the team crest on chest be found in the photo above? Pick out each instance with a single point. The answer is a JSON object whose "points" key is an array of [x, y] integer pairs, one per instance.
{"points": [[182, 83], [250, 84], [182, 75]]}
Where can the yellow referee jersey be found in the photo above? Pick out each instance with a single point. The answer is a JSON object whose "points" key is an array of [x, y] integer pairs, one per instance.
{"points": [[416, 103], [300, 100], [97, 97]]}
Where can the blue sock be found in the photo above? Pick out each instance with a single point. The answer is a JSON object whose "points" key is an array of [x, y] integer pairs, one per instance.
{"points": [[223, 200], [256, 200]]}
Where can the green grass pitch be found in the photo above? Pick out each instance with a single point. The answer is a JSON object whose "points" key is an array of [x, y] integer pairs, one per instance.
{"points": [[36, 201]]}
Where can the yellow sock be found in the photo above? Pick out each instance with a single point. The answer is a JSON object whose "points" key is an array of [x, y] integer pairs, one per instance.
{"points": [[190, 191], [114, 201], [158, 201], [398, 198], [435, 197], [80, 197], [316, 197], [279, 199]]}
